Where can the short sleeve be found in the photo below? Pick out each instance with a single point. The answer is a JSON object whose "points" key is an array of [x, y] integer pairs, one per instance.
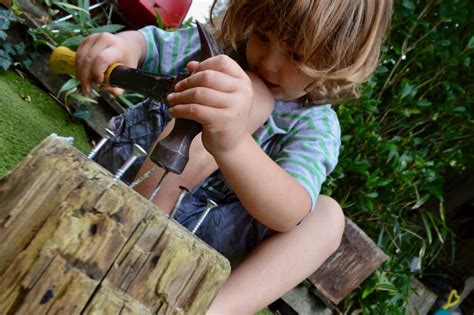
{"points": [[168, 52], [310, 150]]}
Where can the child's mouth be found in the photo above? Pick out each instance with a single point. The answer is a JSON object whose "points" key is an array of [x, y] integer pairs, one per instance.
{"points": [[269, 84]]}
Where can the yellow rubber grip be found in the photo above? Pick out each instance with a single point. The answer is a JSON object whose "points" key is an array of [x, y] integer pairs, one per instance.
{"points": [[62, 60]]}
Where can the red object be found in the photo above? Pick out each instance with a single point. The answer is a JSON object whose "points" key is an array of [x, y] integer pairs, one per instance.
{"points": [[143, 12]]}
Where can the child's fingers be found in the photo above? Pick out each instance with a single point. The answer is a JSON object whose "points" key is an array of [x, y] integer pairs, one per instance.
{"points": [[224, 64], [112, 90], [200, 95], [210, 79], [89, 56], [103, 60], [202, 114]]}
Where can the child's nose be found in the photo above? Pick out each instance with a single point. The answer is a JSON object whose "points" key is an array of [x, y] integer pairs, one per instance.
{"points": [[271, 60]]}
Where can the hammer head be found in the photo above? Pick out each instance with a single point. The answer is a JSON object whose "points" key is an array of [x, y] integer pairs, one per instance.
{"points": [[172, 153], [209, 47]]}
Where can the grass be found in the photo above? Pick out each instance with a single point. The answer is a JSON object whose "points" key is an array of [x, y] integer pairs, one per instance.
{"points": [[27, 116]]}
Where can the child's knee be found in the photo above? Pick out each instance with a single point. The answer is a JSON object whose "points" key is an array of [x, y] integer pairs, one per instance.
{"points": [[333, 216]]}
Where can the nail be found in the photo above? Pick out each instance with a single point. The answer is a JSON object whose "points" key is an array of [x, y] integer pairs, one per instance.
{"points": [[138, 151], [210, 204], [107, 136], [158, 186], [184, 192]]}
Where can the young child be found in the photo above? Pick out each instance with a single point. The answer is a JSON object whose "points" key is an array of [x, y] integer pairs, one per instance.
{"points": [[269, 135]]}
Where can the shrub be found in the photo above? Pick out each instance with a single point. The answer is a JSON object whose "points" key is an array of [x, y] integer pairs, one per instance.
{"points": [[412, 124]]}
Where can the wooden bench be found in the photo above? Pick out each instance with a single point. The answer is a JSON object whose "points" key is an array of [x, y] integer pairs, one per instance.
{"points": [[356, 259]]}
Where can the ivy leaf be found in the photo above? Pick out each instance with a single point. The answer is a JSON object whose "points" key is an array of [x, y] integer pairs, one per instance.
{"points": [[20, 48], [408, 90], [5, 62], [3, 35], [408, 4]]}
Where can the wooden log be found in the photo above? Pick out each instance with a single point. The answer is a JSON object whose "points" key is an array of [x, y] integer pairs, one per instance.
{"points": [[356, 258], [74, 241]]}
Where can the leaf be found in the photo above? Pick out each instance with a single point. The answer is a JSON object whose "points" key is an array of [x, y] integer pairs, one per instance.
{"points": [[83, 98], [20, 48], [373, 194], [459, 109], [69, 85], [408, 90], [421, 201], [408, 4], [4, 23], [73, 41], [423, 103], [82, 113], [5, 62], [111, 28], [367, 292], [65, 5], [3, 35], [470, 44], [427, 227]]}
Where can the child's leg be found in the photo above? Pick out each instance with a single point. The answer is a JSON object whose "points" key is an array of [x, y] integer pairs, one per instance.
{"points": [[282, 261]]}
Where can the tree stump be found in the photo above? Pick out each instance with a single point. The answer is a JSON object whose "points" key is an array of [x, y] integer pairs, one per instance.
{"points": [[73, 240]]}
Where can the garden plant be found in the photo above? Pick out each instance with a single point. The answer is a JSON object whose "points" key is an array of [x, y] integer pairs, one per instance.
{"points": [[412, 126]]}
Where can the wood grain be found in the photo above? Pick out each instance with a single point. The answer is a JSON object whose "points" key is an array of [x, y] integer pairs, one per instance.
{"points": [[74, 240]]}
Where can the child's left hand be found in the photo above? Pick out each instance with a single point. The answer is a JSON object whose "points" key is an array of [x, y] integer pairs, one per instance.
{"points": [[219, 96]]}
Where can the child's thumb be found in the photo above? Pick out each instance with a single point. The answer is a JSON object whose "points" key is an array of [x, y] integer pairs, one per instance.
{"points": [[112, 90]]}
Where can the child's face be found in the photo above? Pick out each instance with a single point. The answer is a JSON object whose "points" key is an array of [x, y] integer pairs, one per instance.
{"points": [[273, 64]]}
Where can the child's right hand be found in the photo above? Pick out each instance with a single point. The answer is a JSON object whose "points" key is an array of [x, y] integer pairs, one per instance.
{"points": [[98, 51]]}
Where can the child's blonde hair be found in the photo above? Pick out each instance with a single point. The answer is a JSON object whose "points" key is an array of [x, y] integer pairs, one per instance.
{"points": [[336, 42]]}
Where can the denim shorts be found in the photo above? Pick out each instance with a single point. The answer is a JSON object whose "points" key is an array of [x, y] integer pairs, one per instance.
{"points": [[228, 227]]}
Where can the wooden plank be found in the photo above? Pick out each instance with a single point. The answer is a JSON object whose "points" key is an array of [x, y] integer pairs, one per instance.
{"points": [[304, 302], [75, 241], [422, 300], [356, 258]]}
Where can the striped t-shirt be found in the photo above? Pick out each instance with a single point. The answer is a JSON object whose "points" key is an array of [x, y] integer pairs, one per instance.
{"points": [[303, 140]]}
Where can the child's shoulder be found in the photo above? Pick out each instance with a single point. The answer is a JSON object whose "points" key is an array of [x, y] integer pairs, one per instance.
{"points": [[299, 109], [299, 116]]}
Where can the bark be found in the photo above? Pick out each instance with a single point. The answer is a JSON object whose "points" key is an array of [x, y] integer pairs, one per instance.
{"points": [[74, 241]]}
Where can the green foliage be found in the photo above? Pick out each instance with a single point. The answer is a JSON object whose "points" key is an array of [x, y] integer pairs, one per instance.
{"points": [[412, 126], [70, 32], [7, 50]]}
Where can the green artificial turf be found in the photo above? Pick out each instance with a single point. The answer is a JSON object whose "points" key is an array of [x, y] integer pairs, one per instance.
{"points": [[27, 116]]}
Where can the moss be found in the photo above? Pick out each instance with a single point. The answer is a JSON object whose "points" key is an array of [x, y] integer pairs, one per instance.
{"points": [[27, 116]]}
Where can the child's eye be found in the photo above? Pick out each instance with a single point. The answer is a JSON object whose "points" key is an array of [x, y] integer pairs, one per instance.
{"points": [[261, 37], [297, 57]]}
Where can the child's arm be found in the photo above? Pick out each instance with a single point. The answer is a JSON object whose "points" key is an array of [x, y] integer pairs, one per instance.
{"points": [[219, 96], [98, 51], [201, 163]]}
